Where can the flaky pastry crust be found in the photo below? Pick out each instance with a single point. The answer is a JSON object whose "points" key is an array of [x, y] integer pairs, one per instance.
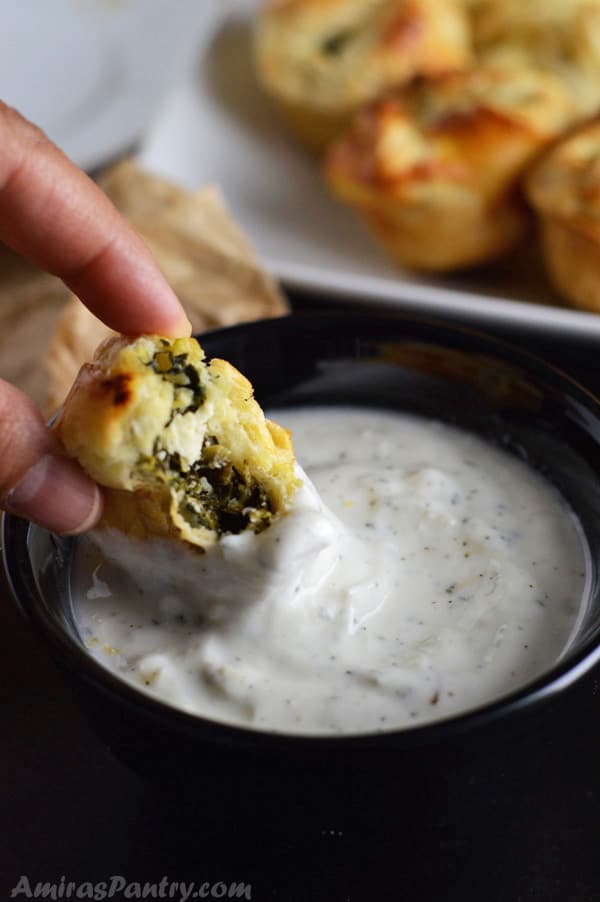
{"points": [[181, 445], [557, 36], [321, 59], [564, 190], [435, 168]]}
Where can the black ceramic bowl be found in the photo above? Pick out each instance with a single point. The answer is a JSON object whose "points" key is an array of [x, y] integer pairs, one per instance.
{"points": [[390, 361]]}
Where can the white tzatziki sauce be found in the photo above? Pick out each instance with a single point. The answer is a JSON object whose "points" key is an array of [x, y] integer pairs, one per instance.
{"points": [[420, 573]]}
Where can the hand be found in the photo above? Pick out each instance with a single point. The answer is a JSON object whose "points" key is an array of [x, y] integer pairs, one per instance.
{"points": [[56, 217]]}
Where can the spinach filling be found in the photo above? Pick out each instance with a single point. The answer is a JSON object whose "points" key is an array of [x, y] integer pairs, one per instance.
{"points": [[175, 369], [336, 43], [215, 494]]}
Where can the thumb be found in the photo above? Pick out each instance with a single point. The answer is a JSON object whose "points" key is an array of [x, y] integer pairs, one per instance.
{"points": [[37, 481]]}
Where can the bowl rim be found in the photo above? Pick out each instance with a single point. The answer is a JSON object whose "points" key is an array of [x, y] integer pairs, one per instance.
{"points": [[70, 654]]}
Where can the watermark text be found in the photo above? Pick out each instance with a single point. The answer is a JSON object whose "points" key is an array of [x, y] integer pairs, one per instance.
{"points": [[117, 887]]}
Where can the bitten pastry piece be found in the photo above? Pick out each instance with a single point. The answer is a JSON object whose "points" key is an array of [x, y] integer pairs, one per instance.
{"points": [[435, 168], [181, 445], [321, 59], [564, 189], [557, 36]]}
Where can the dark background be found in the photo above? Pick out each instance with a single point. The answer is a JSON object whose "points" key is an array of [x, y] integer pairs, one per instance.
{"points": [[520, 823]]}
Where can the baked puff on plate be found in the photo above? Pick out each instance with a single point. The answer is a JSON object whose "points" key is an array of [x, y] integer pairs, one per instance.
{"points": [[564, 190], [321, 59], [181, 445], [435, 168], [557, 36]]}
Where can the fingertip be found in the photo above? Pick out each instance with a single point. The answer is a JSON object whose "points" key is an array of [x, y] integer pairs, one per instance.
{"points": [[97, 506], [58, 495], [181, 328]]}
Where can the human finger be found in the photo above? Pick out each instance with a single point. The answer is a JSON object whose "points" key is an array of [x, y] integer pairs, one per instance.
{"points": [[37, 481], [55, 216]]}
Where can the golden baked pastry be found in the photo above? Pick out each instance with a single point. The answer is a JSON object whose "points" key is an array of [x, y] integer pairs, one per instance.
{"points": [[321, 59], [435, 168], [181, 445], [564, 189], [557, 36]]}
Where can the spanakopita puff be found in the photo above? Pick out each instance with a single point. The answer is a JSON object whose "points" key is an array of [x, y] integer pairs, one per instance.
{"points": [[321, 59], [557, 36], [564, 189], [180, 443], [435, 168]]}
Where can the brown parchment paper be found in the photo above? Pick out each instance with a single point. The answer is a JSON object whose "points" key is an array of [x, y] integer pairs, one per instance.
{"points": [[46, 334]]}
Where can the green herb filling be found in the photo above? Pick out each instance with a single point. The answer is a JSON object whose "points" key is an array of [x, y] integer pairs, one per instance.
{"points": [[216, 496], [174, 368]]}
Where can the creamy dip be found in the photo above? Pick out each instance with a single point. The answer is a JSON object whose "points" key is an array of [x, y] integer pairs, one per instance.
{"points": [[421, 572]]}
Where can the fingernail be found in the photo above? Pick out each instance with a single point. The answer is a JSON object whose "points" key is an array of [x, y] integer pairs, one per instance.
{"points": [[57, 494]]}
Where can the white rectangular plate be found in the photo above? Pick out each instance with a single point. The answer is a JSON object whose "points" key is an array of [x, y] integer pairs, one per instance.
{"points": [[217, 127]]}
